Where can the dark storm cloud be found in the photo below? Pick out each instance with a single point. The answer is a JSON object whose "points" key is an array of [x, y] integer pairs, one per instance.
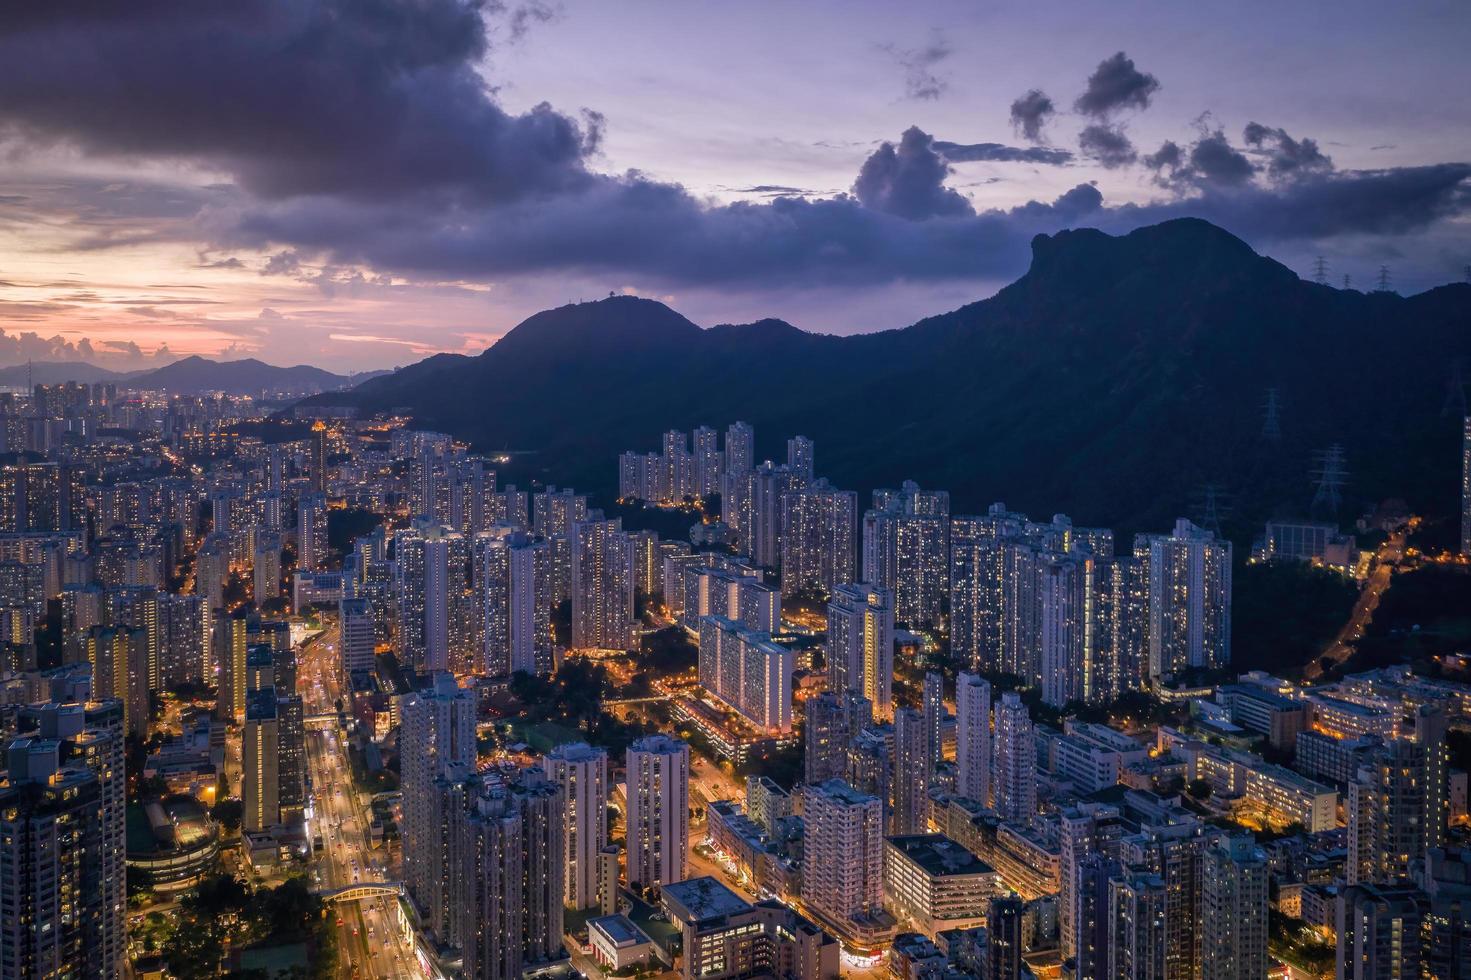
{"points": [[1167, 157], [908, 180], [1001, 153], [921, 81], [1108, 145], [349, 97], [1285, 156], [637, 227], [1400, 201], [1031, 112], [360, 139], [662, 232], [1213, 160], [1116, 84]]}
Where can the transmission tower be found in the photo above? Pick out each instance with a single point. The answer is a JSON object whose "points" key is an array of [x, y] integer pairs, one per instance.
{"points": [[1347, 281], [1320, 271], [1455, 393], [1272, 416], [1330, 473], [1210, 506], [1383, 281]]}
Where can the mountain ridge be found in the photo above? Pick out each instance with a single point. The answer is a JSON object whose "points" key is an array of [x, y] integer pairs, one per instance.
{"points": [[1112, 381]]}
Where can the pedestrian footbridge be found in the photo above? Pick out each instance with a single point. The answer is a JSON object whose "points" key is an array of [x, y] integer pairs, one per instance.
{"points": [[361, 890]]}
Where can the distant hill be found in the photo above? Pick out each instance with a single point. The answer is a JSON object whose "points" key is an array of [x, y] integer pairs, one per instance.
{"points": [[55, 372], [1112, 382], [244, 377]]}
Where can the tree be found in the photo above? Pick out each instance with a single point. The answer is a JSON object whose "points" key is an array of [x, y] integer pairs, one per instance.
{"points": [[228, 813]]}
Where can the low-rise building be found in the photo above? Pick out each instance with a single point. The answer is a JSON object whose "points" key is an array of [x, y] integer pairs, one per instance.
{"points": [[725, 937], [617, 943]]}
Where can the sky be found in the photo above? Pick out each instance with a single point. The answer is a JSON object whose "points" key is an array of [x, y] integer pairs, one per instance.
{"points": [[361, 183]]}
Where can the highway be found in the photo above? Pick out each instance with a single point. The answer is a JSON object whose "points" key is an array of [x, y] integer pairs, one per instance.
{"points": [[1342, 647], [370, 939]]}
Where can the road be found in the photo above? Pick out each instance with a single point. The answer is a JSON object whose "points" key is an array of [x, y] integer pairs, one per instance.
{"points": [[370, 938], [1342, 646]]}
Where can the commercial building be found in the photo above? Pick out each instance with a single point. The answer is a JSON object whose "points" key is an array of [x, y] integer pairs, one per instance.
{"points": [[933, 884]]}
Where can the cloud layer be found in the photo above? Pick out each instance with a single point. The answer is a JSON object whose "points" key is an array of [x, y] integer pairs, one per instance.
{"points": [[360, 136]]}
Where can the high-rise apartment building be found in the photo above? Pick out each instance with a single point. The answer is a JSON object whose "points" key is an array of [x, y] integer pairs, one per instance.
{"points": [[817, 538], [512, 603], [1004, 938], [1187, 578], [933, 705], [230, 645], [748, 672], [436, 748], [260, 760], [447, 629], [1233, 921], [311, 532], [658, 822], [54, 830], [1466, 487], [1397, 804], [833, 720], [911, 774], [92, 734], [1380, 929], [1137, 927], [582, 772], [358, 635], [973, 737], [740, 448], [843, 864], [1014, 774], [602, 585], [860, 645], [266, 568], [707, 461], [506, 847], [906, 549], [801, 458]]}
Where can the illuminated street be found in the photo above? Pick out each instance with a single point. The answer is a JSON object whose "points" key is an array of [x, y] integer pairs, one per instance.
{"points": [[370, 939]]}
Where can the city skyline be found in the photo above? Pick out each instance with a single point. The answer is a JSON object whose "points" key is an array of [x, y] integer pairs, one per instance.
{"points": [[140, 219], [868, 491]]}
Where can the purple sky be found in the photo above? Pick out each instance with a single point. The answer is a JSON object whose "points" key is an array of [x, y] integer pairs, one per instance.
{"points": [[357, 183]]}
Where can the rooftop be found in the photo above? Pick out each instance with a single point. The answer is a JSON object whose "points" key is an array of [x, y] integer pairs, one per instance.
{"points": [[701, 898], [619, 929], [937, 854]]}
